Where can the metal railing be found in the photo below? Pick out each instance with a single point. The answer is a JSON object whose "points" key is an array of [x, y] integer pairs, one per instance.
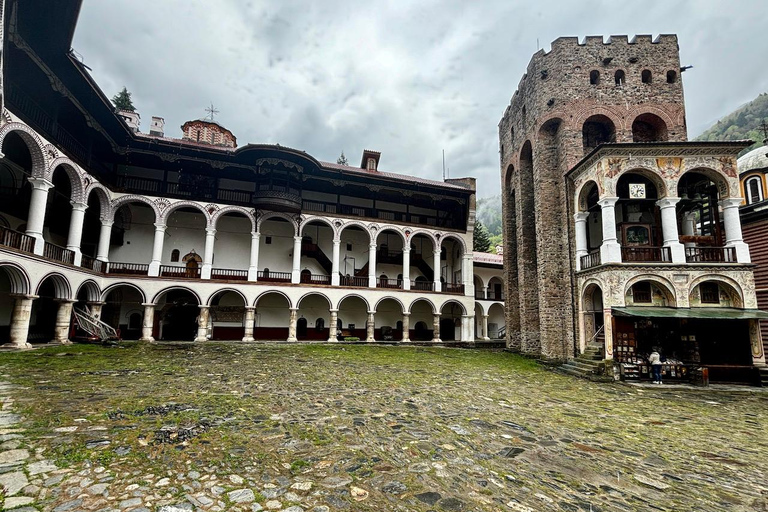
{"points": [[360, 282], [93, 264], [179, 272], [453, 288], [55, 252], [132, 269], [646, 254], [315, 279], [229, 274], [394, 284], [590, 260], [426, 286], [16, 240], [273, 277], [710, 254]]}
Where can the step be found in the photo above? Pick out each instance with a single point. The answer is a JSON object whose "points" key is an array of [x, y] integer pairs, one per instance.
{"points": [[587, 367], [763, 376]]}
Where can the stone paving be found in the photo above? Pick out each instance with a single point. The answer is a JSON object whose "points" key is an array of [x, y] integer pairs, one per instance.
{"points": [[209, 427]]}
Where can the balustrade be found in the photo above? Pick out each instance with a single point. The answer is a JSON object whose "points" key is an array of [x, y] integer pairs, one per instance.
{"points": [[645, 254], [93, 264], [179, 272], [426, 286], [453, 288], [268, 276], [133, 269], [590, 260], [359, 282], [389, 283], [315, 279], [16, 240], [229, 274], [710, 255], [55, 252]]}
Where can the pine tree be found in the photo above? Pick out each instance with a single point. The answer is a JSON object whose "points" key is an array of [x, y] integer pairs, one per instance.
{"points": [[122, 101], [481, 241], [342, 160]]}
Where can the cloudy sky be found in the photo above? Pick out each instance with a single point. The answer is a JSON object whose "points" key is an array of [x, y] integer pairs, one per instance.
{"points": [[408, 79]]}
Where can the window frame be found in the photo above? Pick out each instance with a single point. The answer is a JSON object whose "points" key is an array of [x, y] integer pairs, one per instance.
{"points": [[748, 193]]}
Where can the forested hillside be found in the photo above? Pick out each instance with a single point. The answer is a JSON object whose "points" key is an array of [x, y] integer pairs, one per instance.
{"points": [[744, 123]]}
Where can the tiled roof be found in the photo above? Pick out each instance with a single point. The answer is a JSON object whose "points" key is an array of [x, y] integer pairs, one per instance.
{"points": [[392, 175], [486, 257]]}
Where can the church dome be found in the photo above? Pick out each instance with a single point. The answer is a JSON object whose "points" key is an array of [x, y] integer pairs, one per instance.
{"points": [[755, 159]]}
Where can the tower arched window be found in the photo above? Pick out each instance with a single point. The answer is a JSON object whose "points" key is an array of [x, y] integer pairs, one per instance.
{"points": [[646, 76], [594, 77], [619, 77], [671, 76], [754, 189], [175, 255]]}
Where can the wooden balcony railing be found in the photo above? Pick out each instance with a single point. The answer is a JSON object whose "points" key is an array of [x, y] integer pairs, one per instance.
{"points": [[644, 254], [55, 252], [16, 240], [267, 276], [359, 282], [315, 279], [590, 260], [179, 272], [453, 288], [229, 274], [495, 296], [426, 286], [132, 269], [93, 264], [394, 284], [710, 255]]}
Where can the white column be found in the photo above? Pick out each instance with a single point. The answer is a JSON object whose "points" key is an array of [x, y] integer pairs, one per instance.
{"points": [[148, 322], [467, 275], [733, 236], [250, 316], [102, 252], [370, 327], [581, 236], [210, 241], [157, 250], [296, 272], [485, 328], [22, 312], [75, 235], [36, 216], [332, 331], [466, 328], [372, 265], [406, 328], [485, 292], [436, 329], [202, 323], [436, 269], [610, 250], [669, 230], [407, 267], [689, 227], [292, 325], [63, 319], [335, 263], [253, 266]]}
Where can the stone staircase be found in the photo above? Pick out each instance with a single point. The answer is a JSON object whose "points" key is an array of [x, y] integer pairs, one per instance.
{"points": [[590, 363], [764, 376]]}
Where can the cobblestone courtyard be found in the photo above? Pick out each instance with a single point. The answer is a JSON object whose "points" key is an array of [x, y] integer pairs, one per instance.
{"points": [[350, 427]]}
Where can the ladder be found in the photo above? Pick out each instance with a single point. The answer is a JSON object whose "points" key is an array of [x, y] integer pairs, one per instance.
{"points": [[93, 327]]}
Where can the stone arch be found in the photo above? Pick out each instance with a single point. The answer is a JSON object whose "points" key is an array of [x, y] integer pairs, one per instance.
{"points": [[553, 117], [444, 236], [34, 145], [663, 283], [587, 111], [124, 200], [321, 220], [168, 211], [454, 301], [430, 235], [422, 299], [222, 291], [717, 177], [354, 223], [351, 295], [92, 290], [597, 129], [61, 285], [734, 286], [652, 175], [20, 283], [247, 213], [583, 192], [651, 125], [479, 305], [376, 306], [324, 296], [172, 288], [269, 292], [378, 230], [262, 217], [105, 205], [112, 287], [75, 179], [479, 279]]}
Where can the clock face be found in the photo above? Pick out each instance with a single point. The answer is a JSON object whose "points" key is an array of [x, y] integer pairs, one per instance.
{"points": [[637, 190]]}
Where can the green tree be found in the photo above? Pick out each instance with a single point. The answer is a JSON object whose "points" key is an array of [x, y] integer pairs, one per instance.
{"points": [[496, 240], [122, 101], [342, 160], [482, 239]]}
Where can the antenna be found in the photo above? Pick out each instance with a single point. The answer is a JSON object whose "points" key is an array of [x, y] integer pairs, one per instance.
{"points": [[537, 44], [443, 165]]}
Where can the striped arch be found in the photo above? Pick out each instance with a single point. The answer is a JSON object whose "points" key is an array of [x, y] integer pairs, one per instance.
{"points": [[430, 235], [61, 286], [246, 212], [594, 110], [222, 291], [350, 295], [109, 289], [172, 288], [105, 204], [75, 179], [376, 230], [402, 306], [123, 200], [330, 303], [167, 212], [443, 236], [305, 221], [658, 280], [270, 292], [18, 277], [261, 217], [93, 293], [649, 109], [720, 279], [34, 145], [354, 223], [454, 301], [422, 299]]}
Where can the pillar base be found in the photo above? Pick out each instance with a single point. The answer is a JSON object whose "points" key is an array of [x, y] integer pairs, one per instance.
{"points": [[154, 269], [332, 340], [742, 252], [292, 340], [63, 342], [201, 338], [249, 338], [205, 272], [370, 340], [405, 340], [147, 340], [253, 273], [677, 250], [436, 340], [19, 346], [610, 252]]}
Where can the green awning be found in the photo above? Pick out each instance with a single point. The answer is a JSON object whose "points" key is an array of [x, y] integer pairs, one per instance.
{"points": [[710, 313]]}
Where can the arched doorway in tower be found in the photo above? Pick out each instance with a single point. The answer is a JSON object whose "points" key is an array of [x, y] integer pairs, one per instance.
{"points": [[227, 315], [123, 309], [649, 128], [592, 308], [597, 130], [273, 316], [176, 312]]}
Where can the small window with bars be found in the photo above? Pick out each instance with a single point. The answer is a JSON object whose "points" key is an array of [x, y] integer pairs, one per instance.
{"points": [[710, 293]]}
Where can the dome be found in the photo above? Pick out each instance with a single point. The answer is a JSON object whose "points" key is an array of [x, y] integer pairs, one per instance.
{"points": [[755, 159]]}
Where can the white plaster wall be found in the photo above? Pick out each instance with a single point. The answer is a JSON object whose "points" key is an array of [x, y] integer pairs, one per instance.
{"points": [[138, 240], [232, 248], [277, 255], [272, 311], [360, 242], [485, 274]]}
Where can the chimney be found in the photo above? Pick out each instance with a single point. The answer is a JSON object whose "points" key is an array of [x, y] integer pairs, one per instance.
{"points": [[156, 128], [370, 160], [132, 119]]}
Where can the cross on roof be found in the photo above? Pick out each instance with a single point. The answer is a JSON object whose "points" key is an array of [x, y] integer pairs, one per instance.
{"points": [[211, 111]]}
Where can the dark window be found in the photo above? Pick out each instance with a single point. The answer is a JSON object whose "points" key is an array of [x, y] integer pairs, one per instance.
{"points": [[619, 77], [268, 240], [134, 321], [594, 77], [399, 325], [671, 77], [641, 293], [710, 293], [646, 76], [349, 247], [175, 255], [320, 324], [754, 190]]}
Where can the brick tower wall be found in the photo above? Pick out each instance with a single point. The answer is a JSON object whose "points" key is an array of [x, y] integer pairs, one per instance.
{"points": [[553, 101]]}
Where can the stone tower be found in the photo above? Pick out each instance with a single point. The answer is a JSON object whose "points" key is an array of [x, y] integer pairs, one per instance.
{"points": [[570, 100]]}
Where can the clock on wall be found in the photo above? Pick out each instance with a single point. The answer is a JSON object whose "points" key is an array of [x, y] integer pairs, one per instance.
{"points": [[637, 190]]}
